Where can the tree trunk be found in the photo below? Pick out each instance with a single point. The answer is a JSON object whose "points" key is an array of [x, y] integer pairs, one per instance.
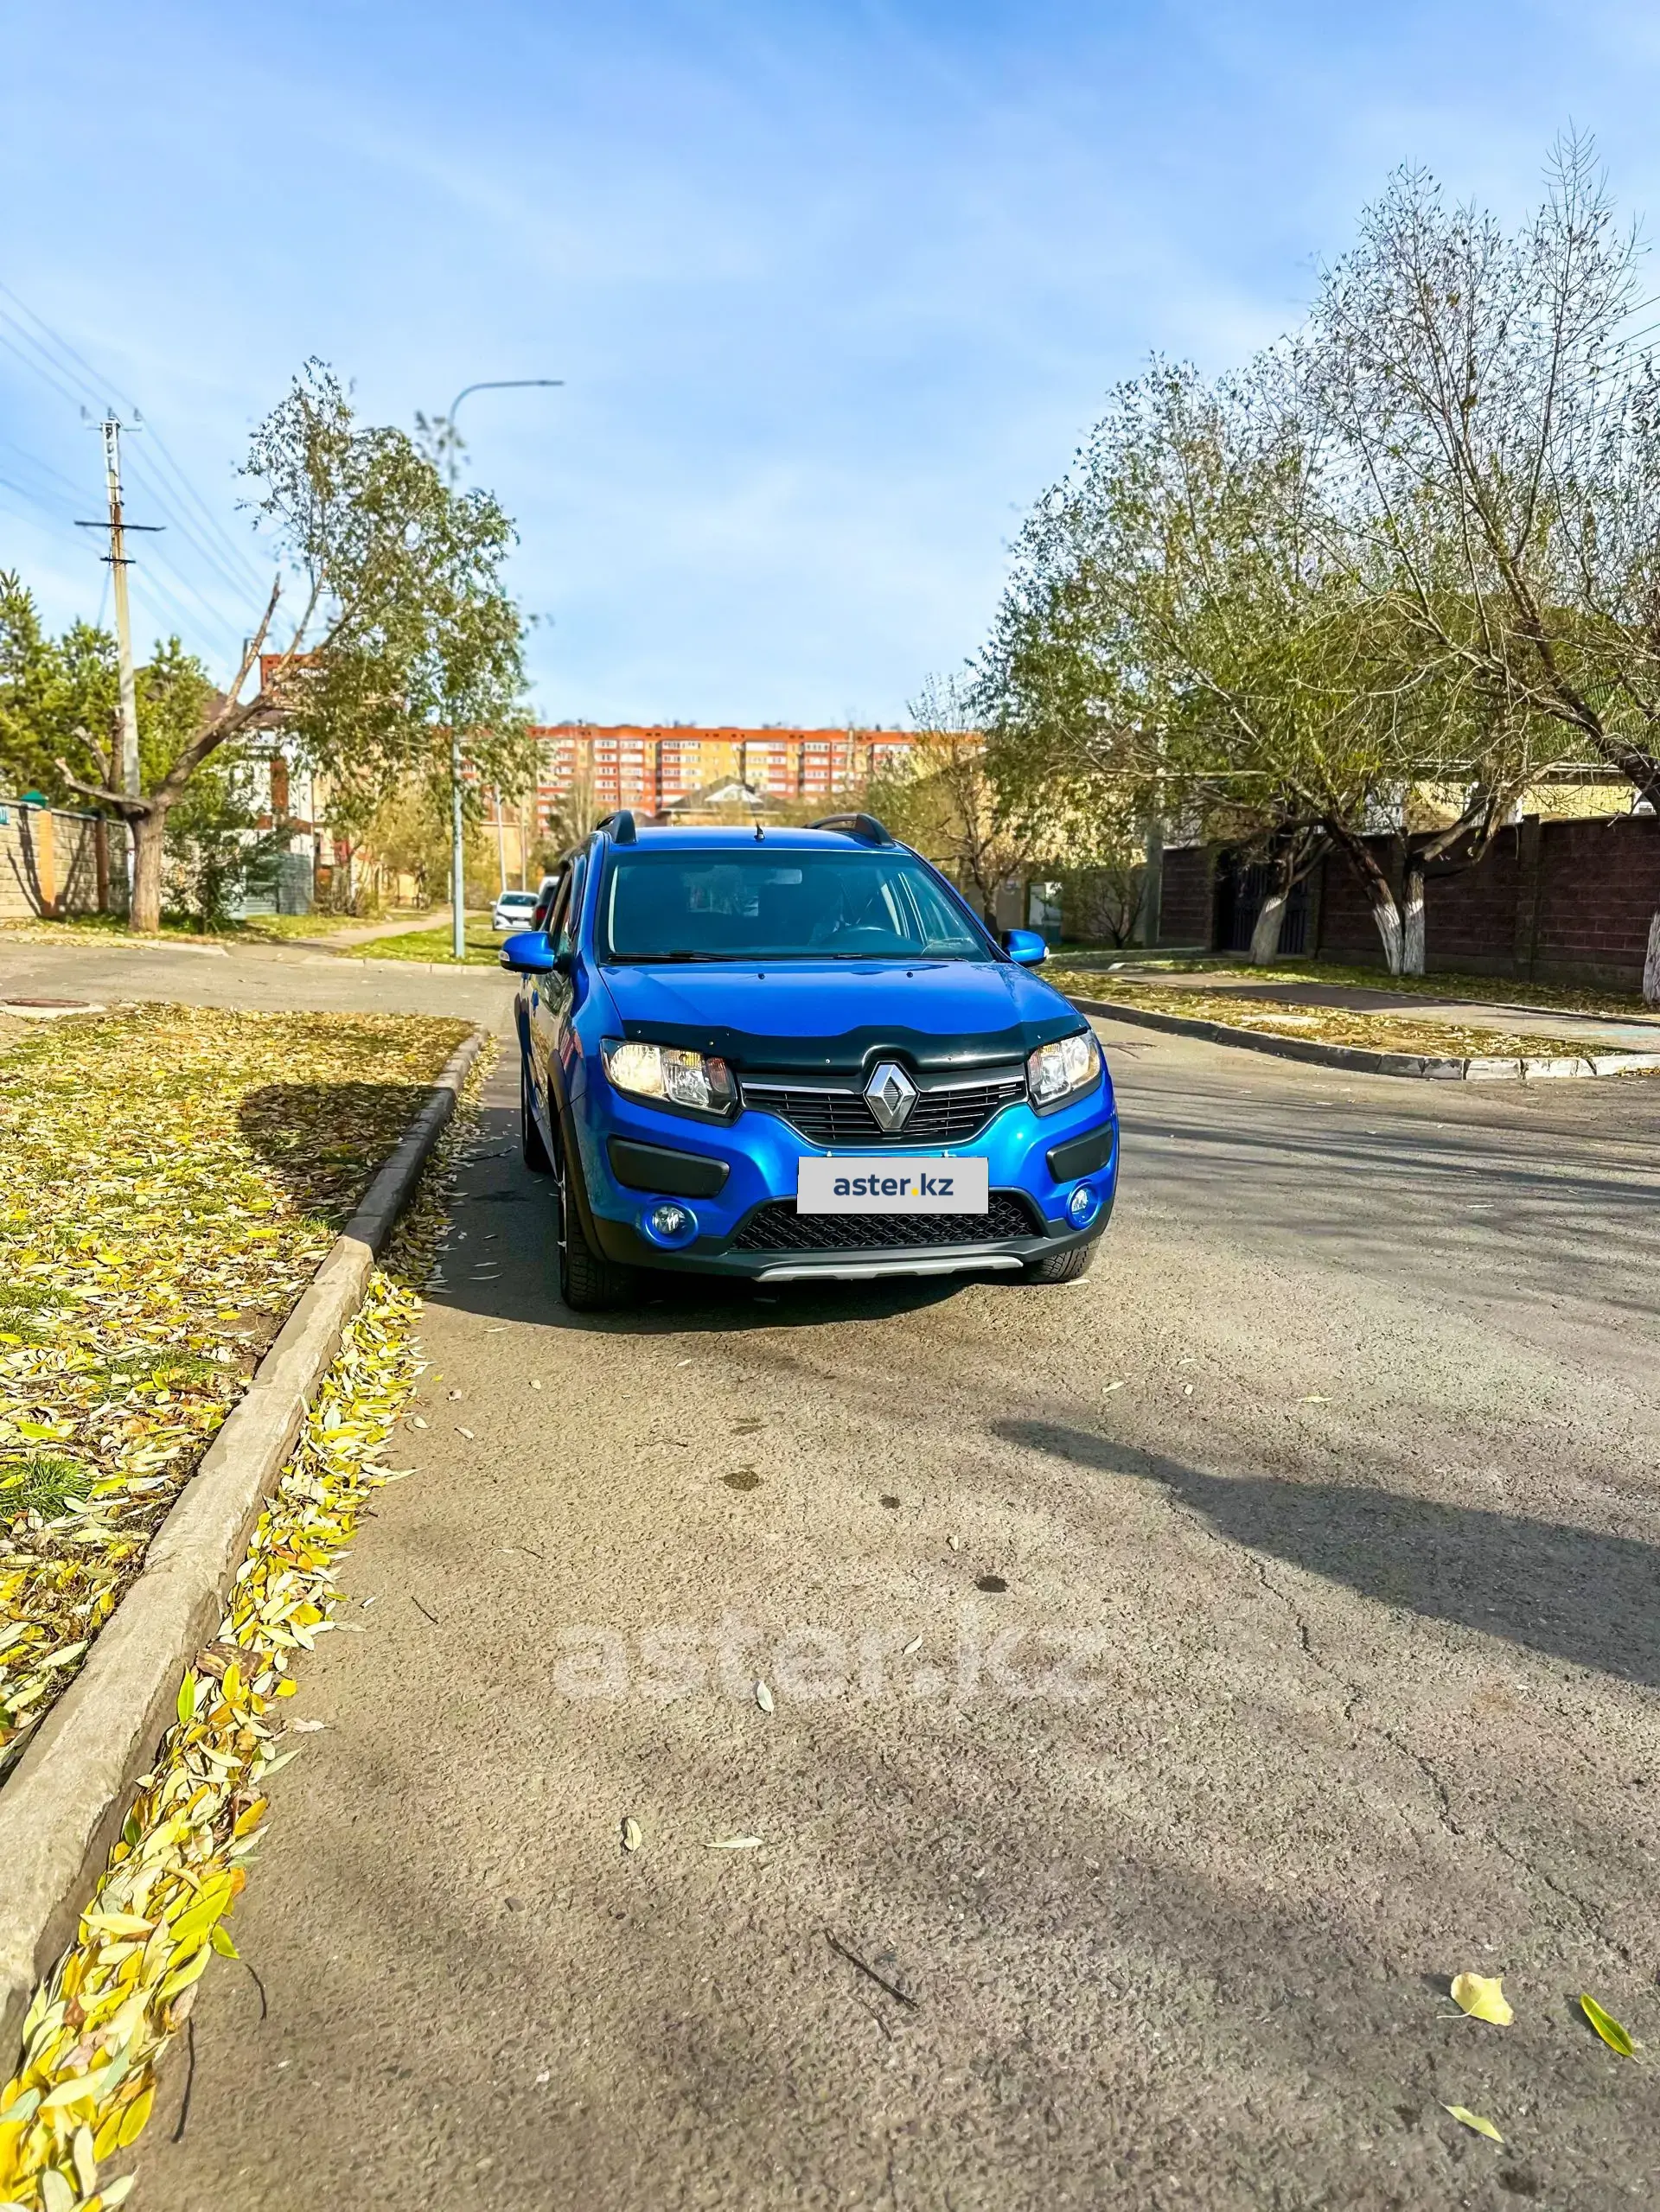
{"points": [[1146, 917], [1386, 914], [1412, 919], [1290, 866], [1386, 911], [148, 830], [1265, 937], [1651, 965]]}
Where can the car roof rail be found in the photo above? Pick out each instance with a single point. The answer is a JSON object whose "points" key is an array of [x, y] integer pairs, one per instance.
{"points": [[865, 827], [620, 826]]}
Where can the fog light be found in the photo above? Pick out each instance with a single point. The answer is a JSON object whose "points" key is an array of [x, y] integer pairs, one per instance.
{"points": [[667, 1222], [1083, 1205]]}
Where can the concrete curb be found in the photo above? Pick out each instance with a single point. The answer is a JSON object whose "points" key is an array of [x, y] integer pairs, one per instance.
{"points": [[63, 1807], [1361, 1062]]}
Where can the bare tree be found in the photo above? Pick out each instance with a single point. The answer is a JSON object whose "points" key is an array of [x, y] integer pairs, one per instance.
{"points": [[941, 798], [1500, 444]]}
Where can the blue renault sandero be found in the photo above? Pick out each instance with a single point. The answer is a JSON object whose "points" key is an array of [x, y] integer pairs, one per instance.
{"points": [[796, 1054]]}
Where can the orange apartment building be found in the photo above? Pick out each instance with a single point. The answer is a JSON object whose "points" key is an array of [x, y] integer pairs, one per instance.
{"points": [[649, 765]]}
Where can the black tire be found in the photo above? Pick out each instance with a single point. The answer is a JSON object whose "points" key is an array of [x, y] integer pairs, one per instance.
{"points": [[588, 1281], [1064, 1266], [530, 1137]]}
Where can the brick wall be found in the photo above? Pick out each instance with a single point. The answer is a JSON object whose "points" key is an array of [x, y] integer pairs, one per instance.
{"points": [[1346, 930], [1470, 915], [50, 862], [1564, 901], [1599, 884]]}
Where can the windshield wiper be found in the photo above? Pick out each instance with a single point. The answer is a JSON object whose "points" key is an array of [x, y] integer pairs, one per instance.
{"points": [[655, 959]]}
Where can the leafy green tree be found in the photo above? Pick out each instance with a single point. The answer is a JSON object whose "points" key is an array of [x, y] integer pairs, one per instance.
{"points": [[58, 698], [221, 846], [57, 695], [1193, 627], [404, 631]]}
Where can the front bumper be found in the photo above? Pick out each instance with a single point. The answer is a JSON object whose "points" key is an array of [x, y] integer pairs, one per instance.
{"points": [[738, 1179]]}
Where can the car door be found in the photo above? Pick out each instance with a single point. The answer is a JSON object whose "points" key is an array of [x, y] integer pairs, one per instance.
{"points": [[550, 994]]}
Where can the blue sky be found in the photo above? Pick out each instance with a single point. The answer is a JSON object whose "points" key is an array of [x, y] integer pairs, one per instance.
{"points": [[835, 289]]}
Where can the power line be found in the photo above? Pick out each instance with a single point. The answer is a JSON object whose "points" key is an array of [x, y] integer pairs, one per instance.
{"points": [[64, 391], [148, 584], [183, 489], [188, 530], [188, 489], [34, 500], [68, 393], [33, 460], [63, 377]]}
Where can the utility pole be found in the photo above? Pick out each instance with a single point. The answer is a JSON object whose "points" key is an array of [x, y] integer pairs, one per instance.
{"points": [[500, 841], [457, 853], [126, 778], [129, 775]]}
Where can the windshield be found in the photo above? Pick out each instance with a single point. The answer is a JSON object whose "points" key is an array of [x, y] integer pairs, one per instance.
{"points": [[750, 904]]}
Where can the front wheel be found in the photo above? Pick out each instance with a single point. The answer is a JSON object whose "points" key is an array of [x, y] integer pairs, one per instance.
{"points": [[1062, 1266], [589, 1283]]}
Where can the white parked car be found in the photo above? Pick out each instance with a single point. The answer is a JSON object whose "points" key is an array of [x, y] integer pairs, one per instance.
{"points": [[512, 911]]}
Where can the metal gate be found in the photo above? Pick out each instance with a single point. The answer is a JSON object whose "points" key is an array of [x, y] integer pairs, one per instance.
{"points": [[1241, 893]]}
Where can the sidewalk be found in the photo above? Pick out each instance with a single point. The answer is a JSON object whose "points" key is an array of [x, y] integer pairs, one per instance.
{"points": [[1611, 1033], [362, 933]]}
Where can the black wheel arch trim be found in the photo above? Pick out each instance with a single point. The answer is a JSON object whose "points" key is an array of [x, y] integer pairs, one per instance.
{"points": [[567, 1161]]}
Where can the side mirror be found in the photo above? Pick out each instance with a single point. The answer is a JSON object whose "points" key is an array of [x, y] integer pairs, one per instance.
{"points": [[1025, 946], [528, 951]]}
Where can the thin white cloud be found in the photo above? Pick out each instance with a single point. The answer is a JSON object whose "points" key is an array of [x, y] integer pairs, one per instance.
{"points": [[836, 288]]}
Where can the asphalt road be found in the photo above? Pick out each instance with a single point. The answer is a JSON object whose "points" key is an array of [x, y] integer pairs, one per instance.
{"points": [[275, 977], [1288, 1641]]}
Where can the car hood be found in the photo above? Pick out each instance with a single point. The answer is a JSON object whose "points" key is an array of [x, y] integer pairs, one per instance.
{"points": [[833, 1015]]}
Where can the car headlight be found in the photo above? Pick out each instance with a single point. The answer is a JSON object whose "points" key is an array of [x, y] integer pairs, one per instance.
{"points": [[1059, 1071], [696, 1079]]}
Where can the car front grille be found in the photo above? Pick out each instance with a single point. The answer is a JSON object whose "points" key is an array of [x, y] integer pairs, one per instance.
{"points": [[950, 1115], [778, 1228]]}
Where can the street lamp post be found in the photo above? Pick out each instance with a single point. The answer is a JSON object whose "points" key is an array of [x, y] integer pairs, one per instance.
{"points": [[450, 446]]}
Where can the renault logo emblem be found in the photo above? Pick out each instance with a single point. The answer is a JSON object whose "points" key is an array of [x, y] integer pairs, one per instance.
{"points": [[889, 1095]]}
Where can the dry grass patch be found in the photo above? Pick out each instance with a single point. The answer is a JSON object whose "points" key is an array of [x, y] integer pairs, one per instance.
{"points": [[102, 2020], [169, 1181]]}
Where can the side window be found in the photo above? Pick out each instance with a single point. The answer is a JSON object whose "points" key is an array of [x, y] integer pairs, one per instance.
{"points": [[548, 900], [567, 914]]}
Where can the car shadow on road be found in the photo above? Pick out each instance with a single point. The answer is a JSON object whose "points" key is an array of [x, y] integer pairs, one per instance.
{"points": [[1570, 1593]]}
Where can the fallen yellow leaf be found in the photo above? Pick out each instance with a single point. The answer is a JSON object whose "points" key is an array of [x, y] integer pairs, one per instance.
{"points": [[1482, 1996], [1608, 2028], [97, 2025], [1465, 2118]]}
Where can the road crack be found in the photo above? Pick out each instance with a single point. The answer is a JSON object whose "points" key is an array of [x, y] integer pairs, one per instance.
{"points": [[1352, 1692]]}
